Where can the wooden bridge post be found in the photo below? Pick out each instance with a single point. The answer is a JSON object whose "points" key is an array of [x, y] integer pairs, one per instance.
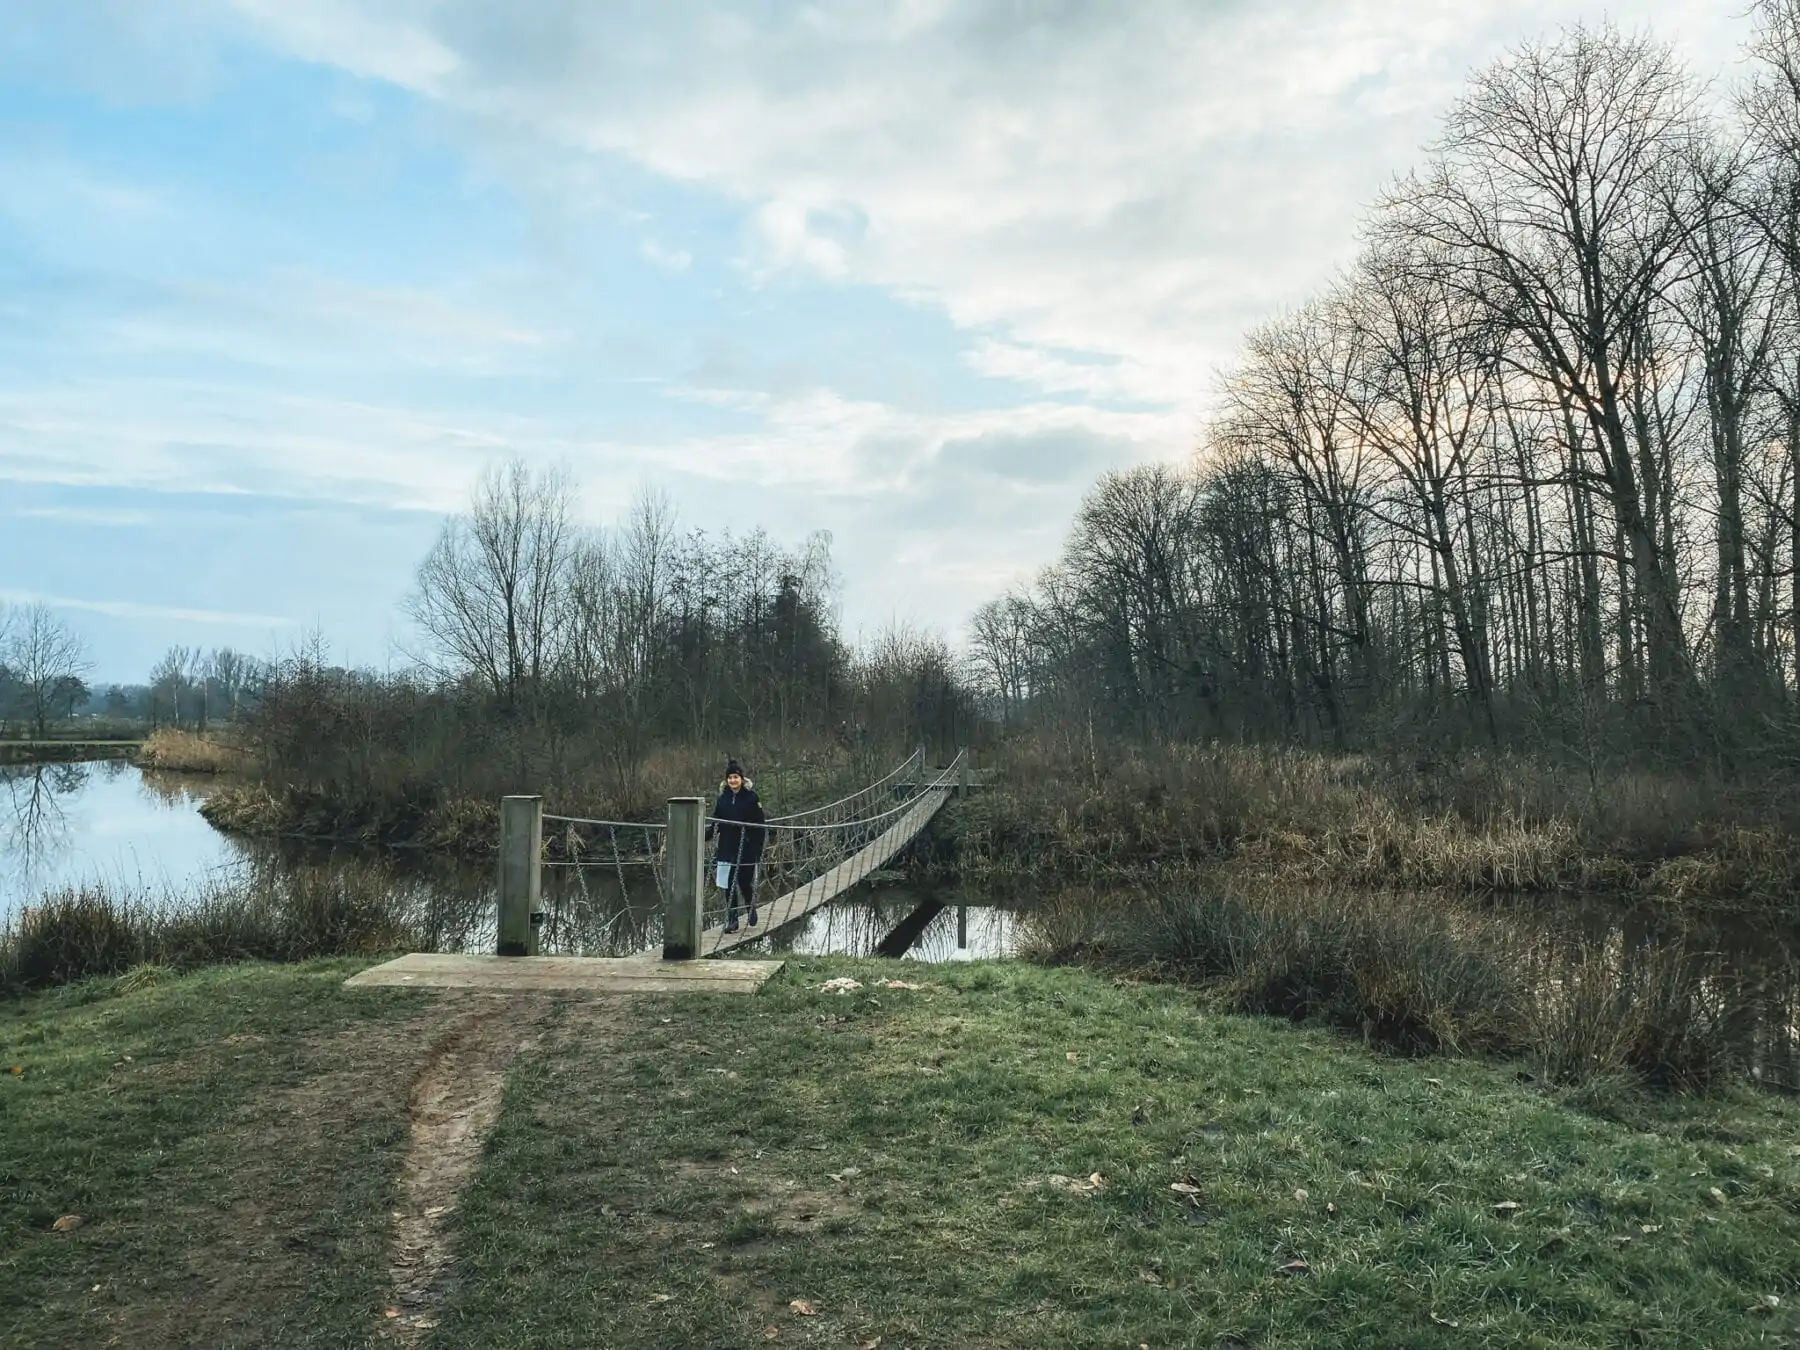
{"points": [[962, 772], [684, 922], [521, 848]]}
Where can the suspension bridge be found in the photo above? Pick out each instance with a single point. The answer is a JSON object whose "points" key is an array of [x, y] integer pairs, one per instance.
{"points": [[792, 865]]}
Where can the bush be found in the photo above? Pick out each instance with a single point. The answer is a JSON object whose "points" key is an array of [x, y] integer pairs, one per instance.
{"points": [[295, 916]]}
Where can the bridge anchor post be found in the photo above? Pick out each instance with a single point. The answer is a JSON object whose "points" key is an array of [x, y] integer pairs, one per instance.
{"points": [[521, 850], [683, 921]]}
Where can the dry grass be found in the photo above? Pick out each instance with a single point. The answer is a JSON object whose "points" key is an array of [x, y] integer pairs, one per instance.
{"points": [[390, 800], [294, 915], [1061, 812], [186, 752], [1420, 974]]}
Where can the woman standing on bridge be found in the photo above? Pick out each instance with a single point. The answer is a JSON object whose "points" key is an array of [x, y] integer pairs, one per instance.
{"points": [[739, 816]]}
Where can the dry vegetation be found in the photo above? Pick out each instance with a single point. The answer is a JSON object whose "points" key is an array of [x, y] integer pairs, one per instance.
{"points": [[174, 751], [295, 915], [1063, 810]]}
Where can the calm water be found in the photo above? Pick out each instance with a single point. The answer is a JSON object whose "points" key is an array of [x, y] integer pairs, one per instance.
{"points": [[77, 824]]}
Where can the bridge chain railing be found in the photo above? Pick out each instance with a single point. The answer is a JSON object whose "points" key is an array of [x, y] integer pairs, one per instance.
{"points": [[775, 860], [763, 876]]}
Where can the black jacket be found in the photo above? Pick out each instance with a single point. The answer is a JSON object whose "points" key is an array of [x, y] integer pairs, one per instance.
{"points": [[740, 816]]}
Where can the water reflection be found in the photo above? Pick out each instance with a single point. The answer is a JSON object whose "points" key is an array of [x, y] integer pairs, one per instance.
{"points": [[103, 823], [71, 825]]}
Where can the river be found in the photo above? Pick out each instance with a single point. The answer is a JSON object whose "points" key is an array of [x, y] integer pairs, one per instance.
{"points": [[111, 824]]}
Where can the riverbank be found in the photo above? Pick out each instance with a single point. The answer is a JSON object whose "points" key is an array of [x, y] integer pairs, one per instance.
{"points": [[1482, 825], [1005, 1156], [1054, 814], [66, 751]]}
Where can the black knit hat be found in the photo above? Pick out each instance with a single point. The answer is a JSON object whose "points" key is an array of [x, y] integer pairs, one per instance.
{"points": [[731, 767]]}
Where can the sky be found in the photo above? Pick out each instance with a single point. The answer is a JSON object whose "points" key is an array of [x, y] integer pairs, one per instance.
{"points": [[280, 278]]}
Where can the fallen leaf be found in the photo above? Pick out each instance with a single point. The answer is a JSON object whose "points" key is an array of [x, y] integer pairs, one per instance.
{"points": [[661, 1298], [1435, 1082], [771, 1333], [707, 1246], [804, 1307], [1717, 1195], [873, 1343], [843, 984], [1444, 1321], [1507, 1207], [17, 1068], [390, 1312], [1330, 1208], [1767, 1303], [1174, 1044], [68, 1223], [1096, 1181], [1300, 1195], [1184, 1188], [897, 984], [1072, 1057], [1651, 1228], [1295, 1268], [1149, 1277]]}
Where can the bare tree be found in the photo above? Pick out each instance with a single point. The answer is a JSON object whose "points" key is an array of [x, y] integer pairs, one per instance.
{"points": [[489, 596], [42, 653], [1555, 199]]}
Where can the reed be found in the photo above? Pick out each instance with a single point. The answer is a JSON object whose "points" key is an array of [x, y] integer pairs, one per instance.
{"points": [[294, 915], [175, 751]]}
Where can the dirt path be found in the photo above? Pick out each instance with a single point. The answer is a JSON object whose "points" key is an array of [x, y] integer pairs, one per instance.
{"points": [[455, 1104]]}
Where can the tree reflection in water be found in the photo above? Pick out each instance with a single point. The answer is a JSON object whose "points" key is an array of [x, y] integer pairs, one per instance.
{"points": [[35, 827]]}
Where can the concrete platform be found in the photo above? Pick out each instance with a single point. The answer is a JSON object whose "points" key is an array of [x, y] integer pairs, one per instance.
{"points": [[575, 974]]}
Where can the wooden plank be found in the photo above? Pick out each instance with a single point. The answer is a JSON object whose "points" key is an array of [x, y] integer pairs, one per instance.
{"points": [[582, 974], [825, 888]]}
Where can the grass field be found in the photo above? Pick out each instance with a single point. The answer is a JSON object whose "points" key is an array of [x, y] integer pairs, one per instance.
{"points": [[1006, 1156]]}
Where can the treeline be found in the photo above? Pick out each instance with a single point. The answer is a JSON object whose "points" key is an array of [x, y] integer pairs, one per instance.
{"points": [[1528, 471], [644, 633], [603, 667]]}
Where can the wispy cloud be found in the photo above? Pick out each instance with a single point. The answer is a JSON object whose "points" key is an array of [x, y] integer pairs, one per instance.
{"points": [[86, 515], [132, 609]]}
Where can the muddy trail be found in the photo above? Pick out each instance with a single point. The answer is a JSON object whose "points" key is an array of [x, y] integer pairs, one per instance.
{"points": [[454, 1106]]}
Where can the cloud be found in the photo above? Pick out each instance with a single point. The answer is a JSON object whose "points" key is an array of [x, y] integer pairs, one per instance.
{"points": [[132, 609], [673, 260], [1134, 182], [106, 518]]}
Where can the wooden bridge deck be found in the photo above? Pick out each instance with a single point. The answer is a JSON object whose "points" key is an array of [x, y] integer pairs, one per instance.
{"points": [[823, 889]]}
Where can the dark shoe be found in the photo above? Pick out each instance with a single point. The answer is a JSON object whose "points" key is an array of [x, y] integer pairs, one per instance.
{"points": [[753, 918], [731, 927]]}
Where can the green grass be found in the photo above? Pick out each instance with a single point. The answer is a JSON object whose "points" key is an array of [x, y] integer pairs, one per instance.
{"points": [[889, 1156], [230, 1139], [914, 1163]]}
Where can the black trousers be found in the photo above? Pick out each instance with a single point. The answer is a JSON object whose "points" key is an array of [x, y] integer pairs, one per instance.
{"points": [[743, 882]]}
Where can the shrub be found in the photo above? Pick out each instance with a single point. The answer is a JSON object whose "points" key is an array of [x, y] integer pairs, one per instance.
{"points": [[1418, 973], [296, 916]]}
